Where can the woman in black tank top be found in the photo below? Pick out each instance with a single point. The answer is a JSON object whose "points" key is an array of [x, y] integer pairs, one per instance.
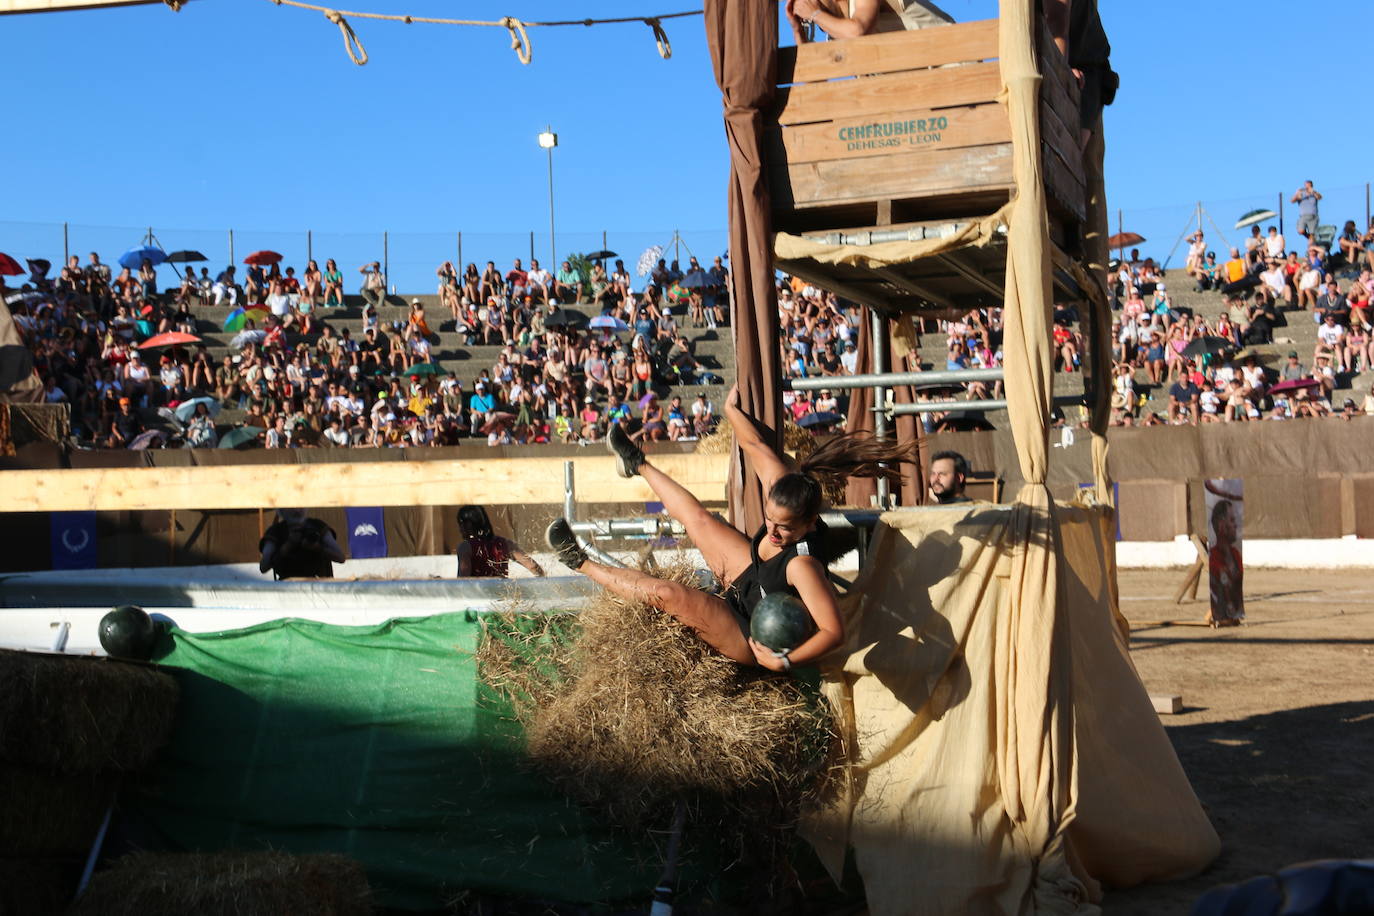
{"points": [[785, 554]]}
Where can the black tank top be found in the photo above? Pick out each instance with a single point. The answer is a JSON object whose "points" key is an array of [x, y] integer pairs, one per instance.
{"points": [[764, 577]]}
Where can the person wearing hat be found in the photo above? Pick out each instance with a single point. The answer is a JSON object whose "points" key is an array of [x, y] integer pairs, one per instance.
{"points": [[125, 425], [374, 283], [1292, 370]]}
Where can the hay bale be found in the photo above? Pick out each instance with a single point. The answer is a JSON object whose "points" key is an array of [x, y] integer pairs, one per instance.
{"points": [[227, 884], [51, 814], [79, 714], [37, 887], [636, 712]]}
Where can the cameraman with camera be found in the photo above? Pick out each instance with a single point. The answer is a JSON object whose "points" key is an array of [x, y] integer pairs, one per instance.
{"points": [[296, 547]]}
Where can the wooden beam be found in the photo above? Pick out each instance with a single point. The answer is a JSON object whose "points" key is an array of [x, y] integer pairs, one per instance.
{"points": [[507, 481], [922, 129], [814, 272], [898, 176], [916, 289], [888, 52], [956, 261], [874, 95]]}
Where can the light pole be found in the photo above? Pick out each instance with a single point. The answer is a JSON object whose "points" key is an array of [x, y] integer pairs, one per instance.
{"points": [[548, 140]]}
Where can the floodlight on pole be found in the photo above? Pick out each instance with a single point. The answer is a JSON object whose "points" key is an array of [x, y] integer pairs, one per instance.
{"points": [[548, 140]]}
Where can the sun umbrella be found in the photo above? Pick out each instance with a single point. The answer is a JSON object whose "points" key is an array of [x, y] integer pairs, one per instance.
{"points": [[425, 369], [38, 268], [134, 257], [1203, 345], [697, 279], [148, 439], [1294, 384], [1255, 216], [647, 400], [608, 323], [648, 259], [496, 421], [244, 338], [564, 318], [262, 258], [241, 436], [170, 339], [599, 255], [819, 418], [185, 257], [9, 267], [243, 314], [1125, 240], [186, 409]]}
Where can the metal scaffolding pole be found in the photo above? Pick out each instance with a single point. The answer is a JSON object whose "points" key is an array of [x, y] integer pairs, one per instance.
{"points": [[872, 379]]}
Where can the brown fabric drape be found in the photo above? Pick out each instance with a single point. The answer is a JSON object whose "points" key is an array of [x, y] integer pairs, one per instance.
{"points": [[743, 37], [861, 490]]}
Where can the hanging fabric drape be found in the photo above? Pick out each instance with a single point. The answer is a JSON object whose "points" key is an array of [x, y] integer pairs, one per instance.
{"points": [[743, 37], [860, 491]]}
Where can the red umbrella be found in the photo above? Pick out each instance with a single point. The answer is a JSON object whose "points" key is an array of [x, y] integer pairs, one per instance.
{"points": [[262, 258], [1294, 384], [9, 267], [170, 339], [1125, 240]]}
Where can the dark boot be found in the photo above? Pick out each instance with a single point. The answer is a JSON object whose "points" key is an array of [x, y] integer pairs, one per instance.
{"points": [[628, 456], [561, 539]]}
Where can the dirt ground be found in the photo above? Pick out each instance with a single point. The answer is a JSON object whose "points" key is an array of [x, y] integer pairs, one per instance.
{"points": [[1277, 730]]}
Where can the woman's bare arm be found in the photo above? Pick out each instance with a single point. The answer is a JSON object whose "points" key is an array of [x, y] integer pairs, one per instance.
{"points": [[767, 463]]}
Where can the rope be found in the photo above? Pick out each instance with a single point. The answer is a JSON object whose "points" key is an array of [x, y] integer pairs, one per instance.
{"points": [[517, 28], [665, 49], [353, 45]]}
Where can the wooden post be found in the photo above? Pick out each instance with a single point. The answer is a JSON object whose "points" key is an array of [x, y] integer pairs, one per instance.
{"points": [[172, 538], [262, 528]]}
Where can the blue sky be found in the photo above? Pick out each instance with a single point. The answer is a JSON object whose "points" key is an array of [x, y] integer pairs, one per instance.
{"points": [[242, 114]]}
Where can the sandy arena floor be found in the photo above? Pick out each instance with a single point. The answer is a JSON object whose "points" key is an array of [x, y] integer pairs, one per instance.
{"points": [[1277, 732]]}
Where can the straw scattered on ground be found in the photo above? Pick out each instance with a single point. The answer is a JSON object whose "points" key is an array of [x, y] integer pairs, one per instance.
{"points": [[628, 711], [227, 884]]}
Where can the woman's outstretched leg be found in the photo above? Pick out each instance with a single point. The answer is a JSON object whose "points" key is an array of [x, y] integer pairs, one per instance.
{"points": [[708, 615], [724, 549]]}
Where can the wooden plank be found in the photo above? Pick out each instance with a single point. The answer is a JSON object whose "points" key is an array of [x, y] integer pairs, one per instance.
{"points": [[900, 175], [1063, 140], [870, 96], [505, 481], [908, 131], [1170, 705], [1062, 185], [1055, 92], [888, 52]]}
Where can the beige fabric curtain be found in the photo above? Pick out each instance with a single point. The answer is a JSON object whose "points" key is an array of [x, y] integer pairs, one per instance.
{"points": [[743, 38], [1006, 758]]}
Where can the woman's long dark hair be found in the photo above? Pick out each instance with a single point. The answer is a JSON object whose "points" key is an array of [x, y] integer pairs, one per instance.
{"points": [[857, 454], [473, 522]]}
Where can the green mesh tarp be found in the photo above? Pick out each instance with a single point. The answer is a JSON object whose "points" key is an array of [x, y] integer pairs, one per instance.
{"points": [[380, 743]]}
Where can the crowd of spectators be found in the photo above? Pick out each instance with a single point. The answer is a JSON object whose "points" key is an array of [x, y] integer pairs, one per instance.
{"points": [[302, 384], [299, 383]]}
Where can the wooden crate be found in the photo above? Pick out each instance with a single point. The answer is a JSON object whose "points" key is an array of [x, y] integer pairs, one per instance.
{"points": [[902, 127]]}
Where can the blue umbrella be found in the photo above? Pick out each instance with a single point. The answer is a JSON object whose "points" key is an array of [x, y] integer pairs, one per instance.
{"points": [[697, 279], [186, 409], [133, 258]]}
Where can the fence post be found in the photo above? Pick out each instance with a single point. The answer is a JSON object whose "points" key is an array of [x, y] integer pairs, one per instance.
{"points": [[1280, 213], [531, 244], [603, 241], [1366, 204], [66, 247], [460, 254], [231, 247], [386, 257], [309, 245]]}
